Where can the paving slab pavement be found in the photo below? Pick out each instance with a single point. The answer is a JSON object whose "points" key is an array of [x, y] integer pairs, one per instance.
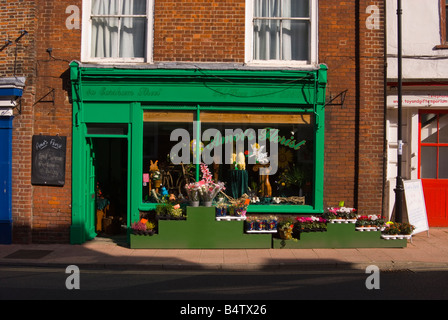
{"points": [[427, 251]]}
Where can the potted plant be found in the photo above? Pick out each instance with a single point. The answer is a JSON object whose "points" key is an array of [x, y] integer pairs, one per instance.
{"points": [[285, 229], [341, 215], [310, 224], [143, 227], [395, 230]]}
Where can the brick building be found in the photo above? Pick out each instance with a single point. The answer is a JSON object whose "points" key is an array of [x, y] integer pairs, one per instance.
{"points": [[78, 57]]}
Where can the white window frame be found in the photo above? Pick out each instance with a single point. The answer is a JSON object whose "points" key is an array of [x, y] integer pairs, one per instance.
{"points": [[313, 39], [86, 37]]}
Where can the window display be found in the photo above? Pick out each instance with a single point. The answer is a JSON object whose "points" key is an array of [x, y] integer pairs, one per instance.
{"points": [[267, 156]]}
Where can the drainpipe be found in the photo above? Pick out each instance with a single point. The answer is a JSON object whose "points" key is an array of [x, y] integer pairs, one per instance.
{"points": [[399, 190]]}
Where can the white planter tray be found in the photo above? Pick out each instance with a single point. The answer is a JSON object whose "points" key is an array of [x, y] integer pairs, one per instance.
{"points": [[366, 229], [230, 218], [395, 236], [342, 220], [261, 231]]}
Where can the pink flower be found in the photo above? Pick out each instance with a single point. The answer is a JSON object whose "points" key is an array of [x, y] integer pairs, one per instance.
{"points": [[177, 206]]}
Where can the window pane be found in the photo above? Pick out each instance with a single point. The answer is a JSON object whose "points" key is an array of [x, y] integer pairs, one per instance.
{"points": [[107, 128], [295, 44], [267, 8], [294, 160], [132, 36], [443, 163], [296, 8], [428, 162], [135, 7], [267, 40], [157, 146], [443, 128], [429, 128], [105, 7], [104, 37]]}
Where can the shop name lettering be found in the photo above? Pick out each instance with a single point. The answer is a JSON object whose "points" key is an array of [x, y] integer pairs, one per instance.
{"points": [[234, 141], [52, 143], [268, 133], [123, 93]]}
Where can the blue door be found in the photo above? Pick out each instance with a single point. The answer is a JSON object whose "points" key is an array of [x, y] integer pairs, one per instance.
{"points": [[5, 180]]}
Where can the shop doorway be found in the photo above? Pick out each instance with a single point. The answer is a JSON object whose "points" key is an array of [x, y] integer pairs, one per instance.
{"points": [[433, 164], [111, 210]]}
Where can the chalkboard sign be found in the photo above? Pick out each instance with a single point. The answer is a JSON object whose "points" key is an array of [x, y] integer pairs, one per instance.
{"points": [[48, 156], [415, 205]]}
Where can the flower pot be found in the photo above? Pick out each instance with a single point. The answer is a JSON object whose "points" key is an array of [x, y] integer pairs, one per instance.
{"points": [[220, 212], [194, 203], [207, 203]]}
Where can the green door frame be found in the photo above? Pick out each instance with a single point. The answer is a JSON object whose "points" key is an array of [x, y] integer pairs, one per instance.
{"points": [[120, 95]]}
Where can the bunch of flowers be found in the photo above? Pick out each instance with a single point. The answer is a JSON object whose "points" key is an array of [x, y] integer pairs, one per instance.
{"points": [[192, 191], [208, 189], [340, 213], [240, 207], [307, 224]]}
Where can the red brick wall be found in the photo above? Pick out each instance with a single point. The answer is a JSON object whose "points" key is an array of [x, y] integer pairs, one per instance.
{"points": [[40, 214], [199, 31], [196, 31], [354, 130]]}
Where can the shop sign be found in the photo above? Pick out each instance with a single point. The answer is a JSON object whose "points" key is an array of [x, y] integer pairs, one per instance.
{"points": [[419, 101]]}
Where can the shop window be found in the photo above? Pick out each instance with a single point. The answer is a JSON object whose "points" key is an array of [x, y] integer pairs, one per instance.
{"points": [[281, 31], [117, 30], [443, 4], [281, 142]]}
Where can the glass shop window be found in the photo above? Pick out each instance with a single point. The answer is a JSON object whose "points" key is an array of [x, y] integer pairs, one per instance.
{"points": [[270, 157]]}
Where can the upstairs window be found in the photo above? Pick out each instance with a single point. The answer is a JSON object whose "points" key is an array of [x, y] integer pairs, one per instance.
{"points": [[282, 31], [117, 30], [443, 25]]}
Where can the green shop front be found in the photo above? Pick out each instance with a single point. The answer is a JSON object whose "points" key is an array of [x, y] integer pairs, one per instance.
{"points": [[141, 133]]}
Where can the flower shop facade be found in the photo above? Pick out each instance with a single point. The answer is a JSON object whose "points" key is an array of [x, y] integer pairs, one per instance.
{"points": [[139, 109], [141, 134]]}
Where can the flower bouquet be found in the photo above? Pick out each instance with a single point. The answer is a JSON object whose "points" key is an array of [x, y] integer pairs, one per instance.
{"points": [[193, 193], [208, 189]]}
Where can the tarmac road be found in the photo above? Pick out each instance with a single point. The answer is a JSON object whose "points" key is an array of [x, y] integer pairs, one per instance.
{"points": [[36, 283]]}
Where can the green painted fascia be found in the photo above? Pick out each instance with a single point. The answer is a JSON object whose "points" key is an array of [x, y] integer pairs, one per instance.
{"points": [[155, 85]]}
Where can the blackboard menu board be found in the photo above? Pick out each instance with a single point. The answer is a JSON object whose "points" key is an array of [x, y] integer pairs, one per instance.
{"points": [[48, 156]]}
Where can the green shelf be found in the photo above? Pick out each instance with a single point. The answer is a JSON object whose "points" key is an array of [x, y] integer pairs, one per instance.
{"points": [[339, 235], [201, 230]]}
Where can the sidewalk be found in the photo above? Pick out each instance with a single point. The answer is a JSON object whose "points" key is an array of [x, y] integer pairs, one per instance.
{"points": [[422, 253]]}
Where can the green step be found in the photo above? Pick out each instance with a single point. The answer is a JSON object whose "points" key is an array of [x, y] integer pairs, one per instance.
{"points": [[201, 231], [339, 235]]}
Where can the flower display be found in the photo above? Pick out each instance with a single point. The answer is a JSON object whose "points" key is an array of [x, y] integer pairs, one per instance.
{"points": [[396, 228], [340, 213], [372, 221], [307, 224]]}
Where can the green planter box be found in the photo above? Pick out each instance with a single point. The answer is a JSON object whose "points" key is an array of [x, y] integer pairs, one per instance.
{"points": [[201, 231], [338, 235]]}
